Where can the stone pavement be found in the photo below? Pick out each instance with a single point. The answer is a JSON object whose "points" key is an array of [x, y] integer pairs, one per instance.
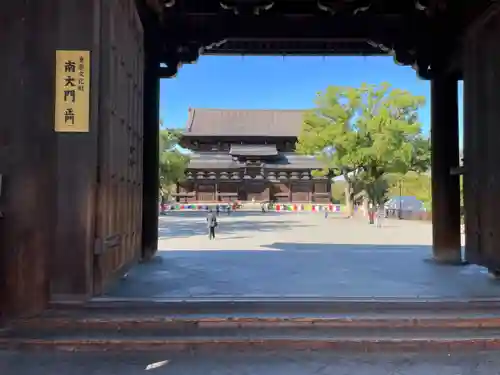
{"points": [[298, 255], [270, 363]]}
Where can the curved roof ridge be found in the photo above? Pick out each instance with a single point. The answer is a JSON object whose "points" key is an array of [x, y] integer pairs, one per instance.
{"points": [[245, 123]]}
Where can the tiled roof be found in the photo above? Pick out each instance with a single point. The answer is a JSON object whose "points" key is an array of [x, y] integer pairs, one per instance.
{"points": [[296, 161], [208, 160], [253, 150], [230, 122], [212, 160]]}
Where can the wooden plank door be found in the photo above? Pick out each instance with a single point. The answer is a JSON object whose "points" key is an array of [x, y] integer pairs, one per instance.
{"points": [[206, 192], [300, 192], [119, 204]]}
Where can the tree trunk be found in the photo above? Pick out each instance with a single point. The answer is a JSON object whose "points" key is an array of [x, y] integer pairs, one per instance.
{"points": [[349, 200]]}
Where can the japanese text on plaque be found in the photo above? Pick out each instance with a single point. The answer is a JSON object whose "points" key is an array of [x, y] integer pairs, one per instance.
{"points": [[72, 91]]}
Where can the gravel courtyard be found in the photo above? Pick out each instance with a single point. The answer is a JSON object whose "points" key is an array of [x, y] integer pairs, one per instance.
{"points": [[298, 255]]}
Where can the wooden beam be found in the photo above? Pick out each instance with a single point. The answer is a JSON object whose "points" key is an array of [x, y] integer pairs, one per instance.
{"points": [[289, 8], [273, 48], [271, 27]]}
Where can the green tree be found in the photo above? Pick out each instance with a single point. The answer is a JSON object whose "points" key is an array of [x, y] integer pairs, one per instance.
{"points": [[365, 133], [377, 190], [173, 163], [338, 191]]}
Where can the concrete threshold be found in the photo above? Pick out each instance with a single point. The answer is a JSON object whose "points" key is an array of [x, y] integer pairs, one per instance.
{"points": [[265, 305]]}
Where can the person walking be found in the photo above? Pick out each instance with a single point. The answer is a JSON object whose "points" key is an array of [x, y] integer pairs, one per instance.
{"points": [[379, 216], [211, 224]]}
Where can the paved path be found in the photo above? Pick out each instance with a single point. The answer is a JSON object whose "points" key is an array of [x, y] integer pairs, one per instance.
{"points": [[295, 363], [298, 255]]}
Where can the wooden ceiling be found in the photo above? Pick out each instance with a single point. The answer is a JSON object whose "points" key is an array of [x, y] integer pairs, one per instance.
{"points": [[422, 33]]}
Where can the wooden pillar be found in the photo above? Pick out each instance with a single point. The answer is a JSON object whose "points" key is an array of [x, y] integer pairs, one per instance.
{"points": [[151, 180], [49, 178], [445, 156], [28, 151]]}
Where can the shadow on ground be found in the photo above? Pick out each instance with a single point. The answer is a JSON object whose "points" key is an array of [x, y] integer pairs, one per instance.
{"points": [[194, 224], [290, 269]]}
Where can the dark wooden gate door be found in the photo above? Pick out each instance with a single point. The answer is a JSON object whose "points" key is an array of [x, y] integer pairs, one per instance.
{"points": [[206, 192], [300, 192], [119, 205]]}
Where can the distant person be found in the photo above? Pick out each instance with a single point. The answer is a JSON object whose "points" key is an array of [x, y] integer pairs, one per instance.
{"points": [[229, 209], [211, 224], [163, 201], [371, 213], [217, 210], [379, 216]]}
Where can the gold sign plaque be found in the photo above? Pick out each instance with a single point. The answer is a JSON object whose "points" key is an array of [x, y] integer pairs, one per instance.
{"points": [[72, 91]]}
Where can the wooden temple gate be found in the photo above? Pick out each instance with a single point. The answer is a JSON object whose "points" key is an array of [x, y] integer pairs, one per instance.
{"points": [[76, 208], [73, 202]]}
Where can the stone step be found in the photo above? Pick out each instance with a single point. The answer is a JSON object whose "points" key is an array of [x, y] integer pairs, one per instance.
{"points": [[208, 325], [76, 321], [246, 323], [347, 340]]}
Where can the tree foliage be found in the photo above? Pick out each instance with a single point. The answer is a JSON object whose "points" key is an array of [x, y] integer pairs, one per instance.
{"points": [[338, 191], [366, 133], [411, 184], [173, 163], [416, 185]]}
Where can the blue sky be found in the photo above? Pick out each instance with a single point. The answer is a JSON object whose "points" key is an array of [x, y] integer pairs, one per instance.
{"points": [[278, 83]]}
